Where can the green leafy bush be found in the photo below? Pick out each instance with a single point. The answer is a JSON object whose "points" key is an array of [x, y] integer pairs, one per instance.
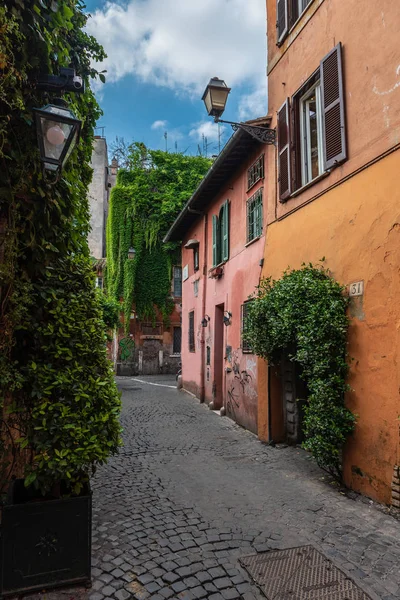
{"points": [[110, 309], [57, 392], [306, 310], [72, 404]]}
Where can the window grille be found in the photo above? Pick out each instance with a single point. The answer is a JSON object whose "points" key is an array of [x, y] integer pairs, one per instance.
{"points": [[192, 347], [255, 172], [177, 340], [177, 282], [255, 215]]}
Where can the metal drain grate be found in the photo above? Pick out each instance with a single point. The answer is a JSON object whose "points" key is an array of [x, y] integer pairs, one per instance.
{"points": [[300, 574]]}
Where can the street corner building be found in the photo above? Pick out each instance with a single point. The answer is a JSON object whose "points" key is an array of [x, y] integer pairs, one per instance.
{"points": [[334, 97], [222, 229]]}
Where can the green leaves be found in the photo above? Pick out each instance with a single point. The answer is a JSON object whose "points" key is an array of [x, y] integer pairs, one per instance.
{"points": [[305, 311], [54, 373], [143, 205]]}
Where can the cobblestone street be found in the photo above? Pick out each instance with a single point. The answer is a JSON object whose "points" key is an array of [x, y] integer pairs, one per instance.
{"points": [[191, 492]]}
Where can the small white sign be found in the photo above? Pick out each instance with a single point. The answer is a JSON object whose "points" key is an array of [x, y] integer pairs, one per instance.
{"points": [[356, 288], [185, 272]]}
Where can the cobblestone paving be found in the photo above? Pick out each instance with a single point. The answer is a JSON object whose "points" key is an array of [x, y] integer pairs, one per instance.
{"points": [[191, 492]]}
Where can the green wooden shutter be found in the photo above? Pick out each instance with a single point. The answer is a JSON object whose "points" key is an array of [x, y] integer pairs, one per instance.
{"points": [[225, 231], [214, 240], [260, 213]]}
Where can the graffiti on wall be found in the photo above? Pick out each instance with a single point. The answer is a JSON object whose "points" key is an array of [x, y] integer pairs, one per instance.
{"points": [[242, 384], [127, 346]]}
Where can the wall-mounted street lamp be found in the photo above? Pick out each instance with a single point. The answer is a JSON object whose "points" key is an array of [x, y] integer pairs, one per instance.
{"points": [[227, 318], [215, 97], [56, 125], [205, 321], [58, 132], [131, 253]]}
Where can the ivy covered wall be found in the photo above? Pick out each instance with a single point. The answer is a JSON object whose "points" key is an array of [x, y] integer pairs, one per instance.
{"points": [[58, 401], [147, 198]]}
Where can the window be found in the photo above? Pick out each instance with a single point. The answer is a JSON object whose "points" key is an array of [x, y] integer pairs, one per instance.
{"points": [[151, 329], [310, 111], [220, 235], [244, 314], [177, 340], [177, 282], [196, 258], [287, 13], [255, 172], [254, 215], [191, 332], [311, 127], [196, 287], [99, 282], [208, 360]]}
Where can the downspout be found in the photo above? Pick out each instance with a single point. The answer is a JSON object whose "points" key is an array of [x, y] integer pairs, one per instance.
{"points": [[203, 313]]}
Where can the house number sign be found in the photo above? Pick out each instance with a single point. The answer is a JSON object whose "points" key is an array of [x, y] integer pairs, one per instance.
{"points": [[356, 288]]}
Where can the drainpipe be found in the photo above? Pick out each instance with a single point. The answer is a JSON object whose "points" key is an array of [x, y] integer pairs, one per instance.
{"points": [[203, 313]]}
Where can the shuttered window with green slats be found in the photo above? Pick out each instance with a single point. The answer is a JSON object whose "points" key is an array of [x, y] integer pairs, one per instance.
{"points": [[220, 235]]}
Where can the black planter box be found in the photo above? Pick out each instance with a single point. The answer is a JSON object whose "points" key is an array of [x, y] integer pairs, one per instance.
{"points": [[44, 543]]}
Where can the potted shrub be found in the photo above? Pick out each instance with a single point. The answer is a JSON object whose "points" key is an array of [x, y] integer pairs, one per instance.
{"points": [[67, 412]]}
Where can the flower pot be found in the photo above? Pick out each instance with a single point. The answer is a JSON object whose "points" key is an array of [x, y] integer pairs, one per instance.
{"points": [[45, 542]]}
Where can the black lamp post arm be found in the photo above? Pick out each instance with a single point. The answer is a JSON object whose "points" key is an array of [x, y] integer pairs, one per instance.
{"points": [[262, 134]]}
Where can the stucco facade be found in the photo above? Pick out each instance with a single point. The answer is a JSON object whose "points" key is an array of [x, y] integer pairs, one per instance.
{"points": [[215, 367], [98, 194], [350, 215]]}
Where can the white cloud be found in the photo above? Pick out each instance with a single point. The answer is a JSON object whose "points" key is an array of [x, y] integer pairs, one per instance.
{"points": [[255, 104], [180, 44], [206, 129], [159, 124]]}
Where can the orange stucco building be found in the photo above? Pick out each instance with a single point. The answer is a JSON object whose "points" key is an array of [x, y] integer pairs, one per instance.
{"points": [[334, 97]]}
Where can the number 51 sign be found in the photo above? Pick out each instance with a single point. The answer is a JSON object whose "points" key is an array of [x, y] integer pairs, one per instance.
{"points": [[356, 288]]}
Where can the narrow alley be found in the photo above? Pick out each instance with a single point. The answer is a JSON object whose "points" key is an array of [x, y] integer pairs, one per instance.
{"points": [[191, 493]]}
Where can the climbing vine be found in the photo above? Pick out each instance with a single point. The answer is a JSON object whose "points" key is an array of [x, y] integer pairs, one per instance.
{"points": [[147, 198], [59, 404], [305, 311]]}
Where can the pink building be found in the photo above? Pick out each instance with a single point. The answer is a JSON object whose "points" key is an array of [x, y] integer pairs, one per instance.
{"points": [[222, 230]]}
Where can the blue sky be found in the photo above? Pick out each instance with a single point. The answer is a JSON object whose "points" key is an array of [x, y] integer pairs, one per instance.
{"points": [[161, 54]]}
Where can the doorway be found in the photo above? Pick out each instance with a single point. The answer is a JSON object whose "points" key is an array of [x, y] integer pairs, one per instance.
{"points": [[218, 356], [294, 398]]}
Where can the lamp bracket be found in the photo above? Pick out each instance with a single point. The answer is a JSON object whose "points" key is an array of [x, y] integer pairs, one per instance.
{"points": [[261, 134]]}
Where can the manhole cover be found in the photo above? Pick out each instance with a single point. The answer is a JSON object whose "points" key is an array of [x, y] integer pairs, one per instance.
{"points": [[300, 574]]}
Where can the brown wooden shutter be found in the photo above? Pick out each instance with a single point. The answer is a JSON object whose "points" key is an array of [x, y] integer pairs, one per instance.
{"points": [[282, 19], [284, 152], [333, 116]]}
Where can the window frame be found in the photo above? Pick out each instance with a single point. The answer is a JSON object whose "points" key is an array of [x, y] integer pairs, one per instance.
{"points": [[305, 134], [255, 172], [294, 10], [174, 352], [174, 279], [254, 203], [196, 258], [220, 235], [191, 337], [329, 77]]}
